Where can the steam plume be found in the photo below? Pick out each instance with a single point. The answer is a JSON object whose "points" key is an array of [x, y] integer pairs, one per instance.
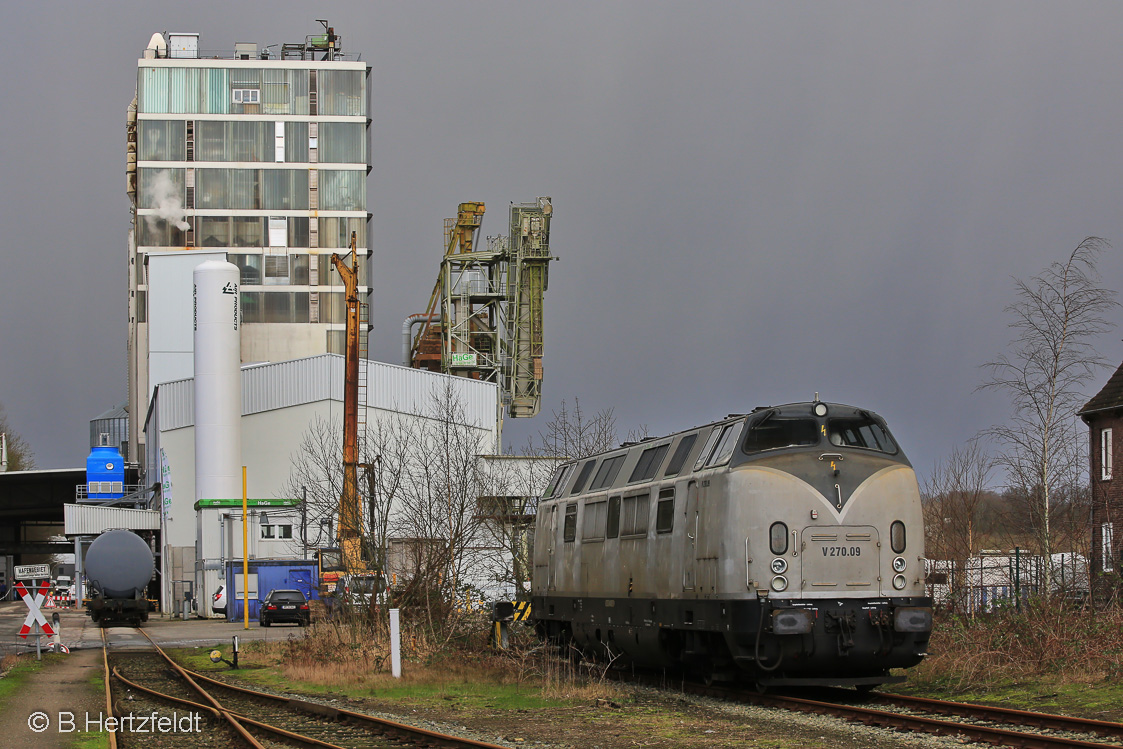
{"points": [[166, 200]]}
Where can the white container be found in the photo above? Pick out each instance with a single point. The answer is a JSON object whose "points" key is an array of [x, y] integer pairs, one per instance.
{"points": [[218, 381]]}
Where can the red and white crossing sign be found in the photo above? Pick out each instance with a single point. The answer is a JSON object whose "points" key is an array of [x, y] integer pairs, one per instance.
{"points": [[33, 604]]}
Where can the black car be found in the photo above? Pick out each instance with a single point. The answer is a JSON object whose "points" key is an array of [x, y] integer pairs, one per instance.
{"points": [[284, 606]]}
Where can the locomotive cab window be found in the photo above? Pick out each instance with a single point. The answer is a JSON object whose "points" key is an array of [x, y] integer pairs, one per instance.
{"points": [[681, 453], [861, 431], [726, 445], [708, 448], [557, 483], [773, 431], [569, 530]]}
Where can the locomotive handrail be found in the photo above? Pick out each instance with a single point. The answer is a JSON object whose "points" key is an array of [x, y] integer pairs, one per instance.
{"points": [[832, 456]]}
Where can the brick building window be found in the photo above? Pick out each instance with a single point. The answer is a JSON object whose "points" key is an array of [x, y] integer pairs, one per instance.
{"points": [[1105, 546], [1105, 454]]}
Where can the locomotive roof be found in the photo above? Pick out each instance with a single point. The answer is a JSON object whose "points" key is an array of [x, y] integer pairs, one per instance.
{"points": [[790, 408]]}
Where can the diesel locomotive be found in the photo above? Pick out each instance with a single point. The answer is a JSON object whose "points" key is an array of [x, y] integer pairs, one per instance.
{"points": [[781, 547]]}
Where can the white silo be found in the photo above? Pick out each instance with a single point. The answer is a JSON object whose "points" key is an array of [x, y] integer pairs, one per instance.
{"points": [[218, 381]]}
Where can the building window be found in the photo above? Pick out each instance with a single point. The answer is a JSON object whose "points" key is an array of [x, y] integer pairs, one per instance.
{"points": [[276, 531], [1106, 546], [1105, 454], [161, 140], [343, 143]]}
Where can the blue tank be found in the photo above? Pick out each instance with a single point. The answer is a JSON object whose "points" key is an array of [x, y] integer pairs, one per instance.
{"points": [[105, 473]]}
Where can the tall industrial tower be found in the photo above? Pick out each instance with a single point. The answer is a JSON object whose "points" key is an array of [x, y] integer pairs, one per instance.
{"points": [[257, 156], [485, 318]]}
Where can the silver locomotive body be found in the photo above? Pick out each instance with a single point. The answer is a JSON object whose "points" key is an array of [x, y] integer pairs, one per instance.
{"points": [[785, 546]]}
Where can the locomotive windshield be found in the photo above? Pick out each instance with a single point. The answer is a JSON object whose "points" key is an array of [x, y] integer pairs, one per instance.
{"points": [[774, 431], [861, 431]]}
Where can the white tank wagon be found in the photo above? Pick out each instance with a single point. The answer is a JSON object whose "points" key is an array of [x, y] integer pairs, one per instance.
{"points": [[118, 566], [782, 547]]}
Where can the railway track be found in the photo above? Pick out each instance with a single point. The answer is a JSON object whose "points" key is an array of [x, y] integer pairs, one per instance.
{"points": [[991, 725], [143, 683]]}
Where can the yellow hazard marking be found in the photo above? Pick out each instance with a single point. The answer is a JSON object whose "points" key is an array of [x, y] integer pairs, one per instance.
{"points": [[832, 466], [823, 429], [522, 611]]}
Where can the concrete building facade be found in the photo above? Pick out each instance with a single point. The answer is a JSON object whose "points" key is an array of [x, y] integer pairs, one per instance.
{"points": [[258, 157]]}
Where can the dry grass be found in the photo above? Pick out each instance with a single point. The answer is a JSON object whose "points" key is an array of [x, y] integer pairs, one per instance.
{"points": [[352, 654], [1042, 640]]}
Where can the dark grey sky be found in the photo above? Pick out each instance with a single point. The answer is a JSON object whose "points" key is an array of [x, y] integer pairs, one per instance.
{"points": [[753, 201]]}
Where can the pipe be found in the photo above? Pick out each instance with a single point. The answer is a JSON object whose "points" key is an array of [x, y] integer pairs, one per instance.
{"points": [[407, 332]]}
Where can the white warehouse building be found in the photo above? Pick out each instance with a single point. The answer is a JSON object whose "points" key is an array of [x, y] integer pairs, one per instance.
{"points": [[279, 403]]}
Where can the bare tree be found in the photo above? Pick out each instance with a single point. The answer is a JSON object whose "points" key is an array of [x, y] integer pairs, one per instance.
{"points": [[20, 457], [510, 488], [569, 434], [954, 496], [1057, 316]]}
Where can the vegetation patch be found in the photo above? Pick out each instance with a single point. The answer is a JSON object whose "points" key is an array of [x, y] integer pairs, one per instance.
{"points": [[16, 669], [1044, 657]]}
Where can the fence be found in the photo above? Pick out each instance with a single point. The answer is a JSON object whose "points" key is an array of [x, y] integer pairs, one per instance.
{"points": [[985, 581]]}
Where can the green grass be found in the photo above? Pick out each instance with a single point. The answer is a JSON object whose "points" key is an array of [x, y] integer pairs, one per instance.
{"points": [[90, 741], [18, 675], [1101, 700], [467, 690]]}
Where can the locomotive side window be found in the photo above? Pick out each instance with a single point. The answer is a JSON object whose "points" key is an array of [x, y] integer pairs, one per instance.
{"points": [[679, 458], [709, 448], [582, 477], [557, 483], [726, 445], [649, 463], [665, 511], [613, 525], [633, 515], [773, 432], [569, 530], [606, 474], [594, 523], [860, 431]]}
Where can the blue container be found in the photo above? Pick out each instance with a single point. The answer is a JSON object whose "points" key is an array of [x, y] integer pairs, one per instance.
{"points": [[105, 473], [287, 574]]}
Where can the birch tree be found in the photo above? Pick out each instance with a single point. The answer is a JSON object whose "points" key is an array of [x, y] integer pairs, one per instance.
{"points": [[1057, 316]]}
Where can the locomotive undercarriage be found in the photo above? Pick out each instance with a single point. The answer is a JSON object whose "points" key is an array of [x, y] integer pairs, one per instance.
{"points": [[823, 641]]}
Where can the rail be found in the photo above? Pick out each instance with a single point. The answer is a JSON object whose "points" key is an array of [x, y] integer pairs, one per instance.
{"points": [[240, 721]]}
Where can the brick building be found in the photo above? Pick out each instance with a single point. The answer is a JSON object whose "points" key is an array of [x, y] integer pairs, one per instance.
{"points": [[1104, 416]]}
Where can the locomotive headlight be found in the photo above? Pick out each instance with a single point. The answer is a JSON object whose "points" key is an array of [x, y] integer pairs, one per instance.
{"points": [[779, 583], [899, 582], [899, 564], [820, 409], [779, 566]]}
